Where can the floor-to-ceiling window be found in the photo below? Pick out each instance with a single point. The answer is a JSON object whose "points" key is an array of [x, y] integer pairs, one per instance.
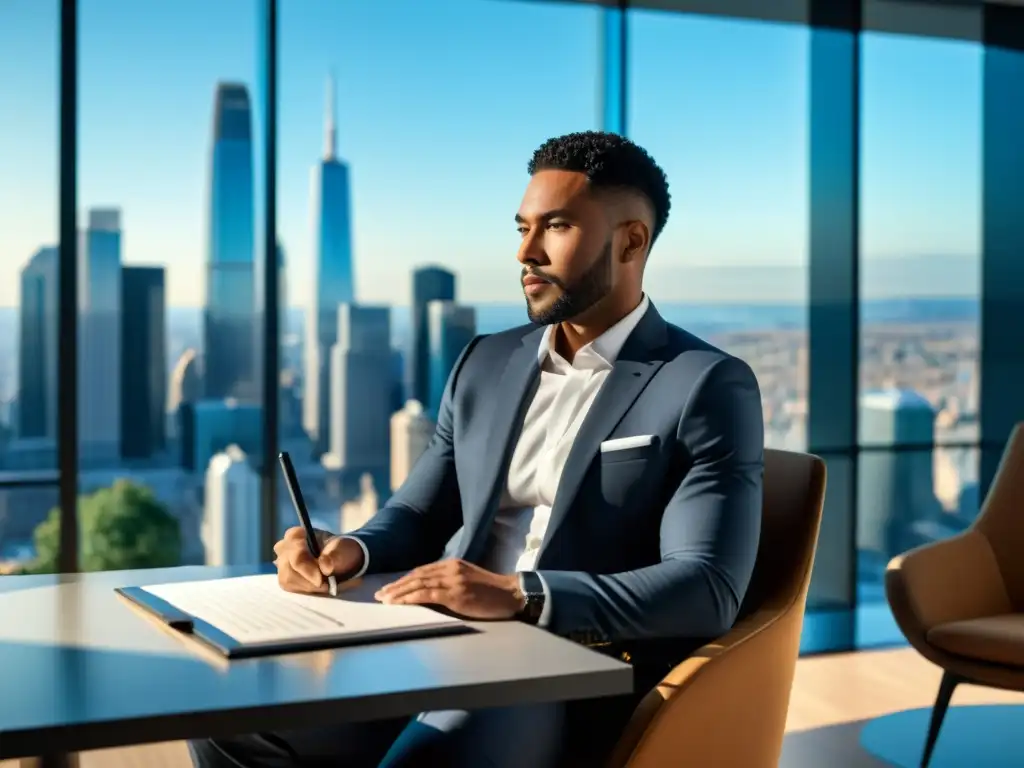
{"points": [[920, 256], [29, 272], [169, 338], [722, 105], [403, 139]]}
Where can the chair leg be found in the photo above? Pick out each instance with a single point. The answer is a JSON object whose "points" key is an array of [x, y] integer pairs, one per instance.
{"points": [[946, 688]]}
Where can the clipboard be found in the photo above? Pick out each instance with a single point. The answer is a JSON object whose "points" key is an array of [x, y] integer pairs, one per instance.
{"points": [[176, 619], [227, 646]]}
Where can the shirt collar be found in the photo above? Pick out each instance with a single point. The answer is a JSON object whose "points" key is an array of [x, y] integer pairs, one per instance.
{"points": [[602, 351]]}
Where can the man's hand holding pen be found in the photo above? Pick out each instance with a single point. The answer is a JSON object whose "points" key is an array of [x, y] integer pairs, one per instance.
{"points": [[463, 588], [297, 571]]}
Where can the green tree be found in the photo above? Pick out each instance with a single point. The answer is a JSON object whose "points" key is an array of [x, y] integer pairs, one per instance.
{"points": [[120, 527]]}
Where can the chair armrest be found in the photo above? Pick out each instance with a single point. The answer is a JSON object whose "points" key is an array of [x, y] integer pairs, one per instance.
{"points": [[724, 705], [950, 580]]}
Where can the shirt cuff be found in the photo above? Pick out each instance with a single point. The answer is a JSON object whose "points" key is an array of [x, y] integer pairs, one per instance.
{"points": [[366, 556]]}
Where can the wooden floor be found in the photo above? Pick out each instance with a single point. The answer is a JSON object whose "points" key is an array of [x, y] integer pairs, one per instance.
{"points": [[833, 696]]}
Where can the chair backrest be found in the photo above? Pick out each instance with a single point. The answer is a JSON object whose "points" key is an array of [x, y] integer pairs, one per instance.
{"points": [[727, 703], [794, 492], [1001, 519]]}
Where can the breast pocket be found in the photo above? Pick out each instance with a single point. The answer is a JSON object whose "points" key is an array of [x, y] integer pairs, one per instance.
{"points": [[625, 473]]}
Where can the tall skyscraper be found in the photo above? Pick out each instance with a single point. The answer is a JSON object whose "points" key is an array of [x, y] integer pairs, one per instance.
{"points": [[411, 431], [896, 489], [143, 361], [450, 328], [428, 284], [333, 280], [231, 511], [229, 315], [99, 339], [360, 392], [37, 350]]}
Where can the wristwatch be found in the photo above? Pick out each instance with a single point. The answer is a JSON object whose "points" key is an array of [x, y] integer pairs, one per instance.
{"points": [[532, 589]]}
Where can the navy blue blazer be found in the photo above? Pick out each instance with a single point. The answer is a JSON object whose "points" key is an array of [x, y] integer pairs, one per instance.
{"points": [[643, 543]]}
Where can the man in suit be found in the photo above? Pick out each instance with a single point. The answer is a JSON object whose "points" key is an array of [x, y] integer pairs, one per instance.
{"points": [[597, 472]]}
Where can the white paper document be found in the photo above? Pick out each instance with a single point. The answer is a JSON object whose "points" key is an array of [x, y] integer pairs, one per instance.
{"points": [[254, 610]]}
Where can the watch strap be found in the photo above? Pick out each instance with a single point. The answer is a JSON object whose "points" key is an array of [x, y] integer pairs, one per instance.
{"points": [[533, 590]]}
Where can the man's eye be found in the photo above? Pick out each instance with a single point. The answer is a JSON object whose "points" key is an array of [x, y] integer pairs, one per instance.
{"points": [[558, 225], [521, 230]]}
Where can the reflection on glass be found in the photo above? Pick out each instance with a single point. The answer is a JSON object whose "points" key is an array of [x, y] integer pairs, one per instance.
{"points": [[399, 175], [29, 82], [906, 498], [731, 265], [169, 159], [920, 227]]}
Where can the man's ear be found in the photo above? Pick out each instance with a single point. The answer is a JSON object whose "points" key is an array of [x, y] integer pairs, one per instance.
{"points": [[638, 239]]}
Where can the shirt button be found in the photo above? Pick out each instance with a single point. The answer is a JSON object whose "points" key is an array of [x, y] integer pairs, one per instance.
{"points": [[533, 543]]}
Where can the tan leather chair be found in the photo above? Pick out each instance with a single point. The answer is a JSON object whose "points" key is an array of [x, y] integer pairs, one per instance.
{"points": [[958, 601], [726, 705]]}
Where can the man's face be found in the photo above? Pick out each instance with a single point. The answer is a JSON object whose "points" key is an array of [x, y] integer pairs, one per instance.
{"points": [[566, 248]]}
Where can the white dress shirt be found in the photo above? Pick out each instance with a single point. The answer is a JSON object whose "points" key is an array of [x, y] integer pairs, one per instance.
{"points": [[564, 396]]}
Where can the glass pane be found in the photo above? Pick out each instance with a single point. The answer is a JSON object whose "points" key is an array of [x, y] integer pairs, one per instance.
{"points": [[722, 106], [905, 499], [29, 239], [169, 399], [920, 239], [400, 171]]}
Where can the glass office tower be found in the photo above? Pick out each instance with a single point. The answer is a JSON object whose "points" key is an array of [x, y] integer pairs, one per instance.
{"points": [[99, 339], [332, 279], [229, 360], [428, 284], [450, 328], [144, 361], [37, 351]]}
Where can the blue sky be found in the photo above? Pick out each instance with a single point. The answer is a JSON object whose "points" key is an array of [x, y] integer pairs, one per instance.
{"points": [[439, 111]]}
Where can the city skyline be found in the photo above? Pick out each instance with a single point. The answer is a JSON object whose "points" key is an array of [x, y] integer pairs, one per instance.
{"points": [[920, 177]]}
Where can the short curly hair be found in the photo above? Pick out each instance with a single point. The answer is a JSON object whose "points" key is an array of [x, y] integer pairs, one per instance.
{"points": [[609, 161]]}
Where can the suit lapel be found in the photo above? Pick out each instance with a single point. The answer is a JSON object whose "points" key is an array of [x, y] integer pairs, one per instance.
{"points": [[632, 371], [512, 397]]}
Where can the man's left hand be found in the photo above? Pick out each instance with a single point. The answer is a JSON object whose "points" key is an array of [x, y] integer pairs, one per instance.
{"points": [[461, 587]]}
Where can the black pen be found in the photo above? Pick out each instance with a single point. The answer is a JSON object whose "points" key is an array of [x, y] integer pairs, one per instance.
{"points": [[292, 482]]}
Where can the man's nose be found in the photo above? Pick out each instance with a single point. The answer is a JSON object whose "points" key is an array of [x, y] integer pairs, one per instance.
{"points": [[531, 250]]}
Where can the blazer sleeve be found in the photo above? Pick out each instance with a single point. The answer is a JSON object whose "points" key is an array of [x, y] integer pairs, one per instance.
{"points": [[709, 530], [414, 525]]}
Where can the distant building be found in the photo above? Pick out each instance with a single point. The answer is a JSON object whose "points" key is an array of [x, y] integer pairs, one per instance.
{"points": [[450, 328], [231, 512], [429, 283], [361, 392], [143, 362], [357, 513], [896, 488], [185, 385], [411, 432], [37, 347], [99, 335], [333, 279], [208, 427], [229, 313]]}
